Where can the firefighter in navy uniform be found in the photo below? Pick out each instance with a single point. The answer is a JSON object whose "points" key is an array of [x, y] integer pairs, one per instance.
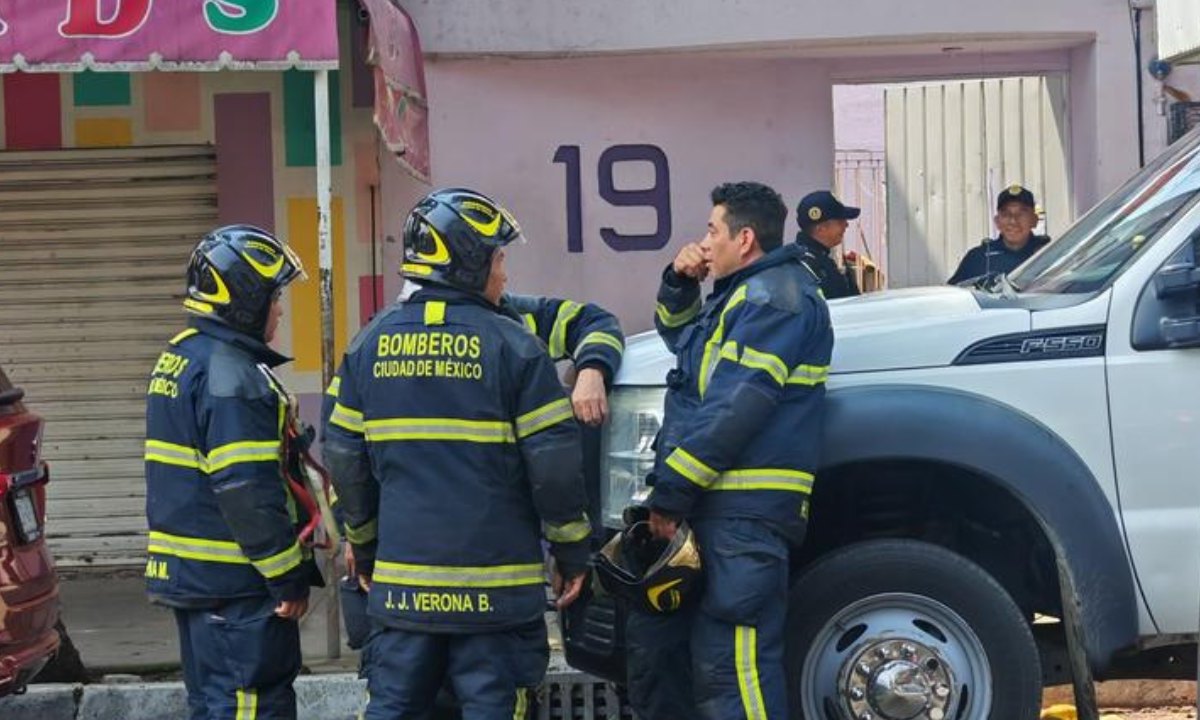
{"points": [[1016, 217], [454, 451], [584, 333], [735, 459], [224, 548], [823, 220]]}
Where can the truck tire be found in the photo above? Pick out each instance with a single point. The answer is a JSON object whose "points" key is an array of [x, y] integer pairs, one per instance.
{"points": [[906, 630]]}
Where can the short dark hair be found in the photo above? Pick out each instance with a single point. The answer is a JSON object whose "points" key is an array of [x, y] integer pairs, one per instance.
{"points": [[755, 206]]}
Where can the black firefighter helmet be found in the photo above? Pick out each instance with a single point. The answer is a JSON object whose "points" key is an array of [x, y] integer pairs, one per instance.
{"points": [[450, 236], [654, 575], [235, 274]]}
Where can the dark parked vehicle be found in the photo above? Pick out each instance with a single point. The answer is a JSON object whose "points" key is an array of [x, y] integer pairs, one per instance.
{"points": [[28, 583]]}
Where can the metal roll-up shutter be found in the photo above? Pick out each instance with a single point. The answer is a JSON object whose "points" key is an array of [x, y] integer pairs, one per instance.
{"points": [[93, 247]]}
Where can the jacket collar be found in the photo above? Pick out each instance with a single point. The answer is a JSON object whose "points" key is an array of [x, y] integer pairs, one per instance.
{"points": [[808, 242], [779, 256], [257, 349], [452, 295]]}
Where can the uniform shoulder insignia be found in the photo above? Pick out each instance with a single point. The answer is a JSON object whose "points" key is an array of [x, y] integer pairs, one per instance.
{"points": [[233, 373]]}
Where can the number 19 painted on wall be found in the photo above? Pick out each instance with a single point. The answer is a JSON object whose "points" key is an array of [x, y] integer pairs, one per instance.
{"points": [[657, 196]]}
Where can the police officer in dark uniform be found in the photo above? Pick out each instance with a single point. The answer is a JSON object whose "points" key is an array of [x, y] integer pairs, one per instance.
{"points": [[735, 457], [454, 452], [584, 333], [1016, 217], [224, 549], [823, 220]]}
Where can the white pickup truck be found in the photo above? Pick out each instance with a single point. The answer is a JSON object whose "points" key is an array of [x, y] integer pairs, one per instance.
{"points": [[1009, 492]]}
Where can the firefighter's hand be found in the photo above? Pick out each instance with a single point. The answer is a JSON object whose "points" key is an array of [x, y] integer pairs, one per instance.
{"points": [[589, 398], [662, 526], [566, 591], [690, 262], [364, 582], [292, 609]]}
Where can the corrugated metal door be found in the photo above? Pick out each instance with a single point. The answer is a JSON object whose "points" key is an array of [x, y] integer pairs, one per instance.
{"points": [[951, 148], [93, 246], [1178, 30]]}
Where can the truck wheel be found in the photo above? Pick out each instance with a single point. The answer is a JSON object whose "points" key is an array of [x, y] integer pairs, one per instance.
{"points": [[905, 630]]}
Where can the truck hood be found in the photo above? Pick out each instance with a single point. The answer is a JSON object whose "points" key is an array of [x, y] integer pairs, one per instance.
{"points": [[891, 330]]}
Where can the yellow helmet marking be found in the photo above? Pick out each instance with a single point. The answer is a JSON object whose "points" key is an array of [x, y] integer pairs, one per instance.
{"points": [[440, 254], [221, 296], [267, 271], [653, 594], [487, 230]]}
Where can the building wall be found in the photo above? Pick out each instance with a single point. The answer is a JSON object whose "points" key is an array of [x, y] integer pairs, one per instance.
{"points": [[499, 125], [262, 124]]}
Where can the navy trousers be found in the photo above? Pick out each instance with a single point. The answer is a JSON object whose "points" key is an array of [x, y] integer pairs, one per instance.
{"points": [[239, 661], [494, 675], [732, 641]]}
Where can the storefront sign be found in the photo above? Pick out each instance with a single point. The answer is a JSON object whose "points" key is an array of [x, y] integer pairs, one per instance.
{"points": [[72, 35]]}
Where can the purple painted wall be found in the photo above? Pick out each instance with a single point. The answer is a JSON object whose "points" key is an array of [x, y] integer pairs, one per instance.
{"points": [[245, 171]]}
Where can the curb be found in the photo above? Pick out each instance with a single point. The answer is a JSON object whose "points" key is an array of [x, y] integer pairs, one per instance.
{"points": [[318, 697]]}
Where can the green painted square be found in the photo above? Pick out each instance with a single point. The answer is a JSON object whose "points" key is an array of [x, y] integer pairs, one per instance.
{"points": [[101, 88], [300, 122]]}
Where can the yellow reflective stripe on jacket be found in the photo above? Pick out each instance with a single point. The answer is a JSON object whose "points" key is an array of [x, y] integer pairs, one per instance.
{"points": [[570, 532], [242, 452], [530, 322], [745, 659], [223, 551], [772, 365], [600, 338], [335, 386], [280, 563], [674, 320], [549, 414], [362, 534], [808, 375], [687, 465], [764, 479], [172, 454], [521, 707], [481, 431], [183, 336], [247, 704], [567, 312], [708, 363], [495, 576], [347, 418]]}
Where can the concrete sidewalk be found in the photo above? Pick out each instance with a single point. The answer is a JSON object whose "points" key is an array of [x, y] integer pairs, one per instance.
{"points": [[117, 630]]}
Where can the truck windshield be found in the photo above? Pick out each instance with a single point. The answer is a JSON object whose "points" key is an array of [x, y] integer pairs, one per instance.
{"points": [[1105, 240]]}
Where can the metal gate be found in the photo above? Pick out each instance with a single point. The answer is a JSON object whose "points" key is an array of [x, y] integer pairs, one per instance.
{"points": [[93, 246]]}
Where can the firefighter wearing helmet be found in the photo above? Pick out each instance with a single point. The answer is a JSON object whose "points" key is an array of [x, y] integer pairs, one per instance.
{"points": [[454, 452], [225, 543]]}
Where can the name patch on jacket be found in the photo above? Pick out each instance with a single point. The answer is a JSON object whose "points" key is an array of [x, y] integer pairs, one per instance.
{"points": [[433, 601], [428, 354], [164, 379]]}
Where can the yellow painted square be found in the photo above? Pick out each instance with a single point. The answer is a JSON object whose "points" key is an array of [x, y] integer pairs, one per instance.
{"points": [[306, 295], [103, 132]]}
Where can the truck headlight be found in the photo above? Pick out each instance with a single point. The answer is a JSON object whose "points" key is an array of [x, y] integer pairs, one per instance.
{"points": [[635, 415]]}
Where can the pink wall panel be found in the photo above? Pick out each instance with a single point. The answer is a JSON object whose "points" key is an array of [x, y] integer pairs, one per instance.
{"points": [[32, 111], [245, 172]]}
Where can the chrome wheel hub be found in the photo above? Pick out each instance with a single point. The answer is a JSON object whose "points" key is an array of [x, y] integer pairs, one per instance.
{"points": [[896, 680]]}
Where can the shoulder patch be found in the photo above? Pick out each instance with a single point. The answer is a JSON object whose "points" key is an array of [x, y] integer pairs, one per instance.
{"points": [[233, 373]]}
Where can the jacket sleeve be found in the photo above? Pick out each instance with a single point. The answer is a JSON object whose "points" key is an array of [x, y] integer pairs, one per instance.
{"points": [[587, 333], [349, 463], [242, 445], [328, 400], [551, 447], [765, 349], [678, 305]]}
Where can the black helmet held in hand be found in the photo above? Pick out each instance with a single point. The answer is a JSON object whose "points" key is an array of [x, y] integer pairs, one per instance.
{"points": [[236, 272], [450, 236], [654, 575]]}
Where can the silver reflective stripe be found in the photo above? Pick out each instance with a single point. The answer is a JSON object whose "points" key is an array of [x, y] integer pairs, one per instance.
{"points": [[197, 548], [765, 479], [243, 452], [545, 416], [280, 563], [457, 576], [482, 431], [172, 454], [573, 531]]}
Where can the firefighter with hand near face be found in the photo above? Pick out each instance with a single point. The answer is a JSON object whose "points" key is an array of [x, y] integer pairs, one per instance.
{"points": [[225, 546], [454, 451], [735, 460]]}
